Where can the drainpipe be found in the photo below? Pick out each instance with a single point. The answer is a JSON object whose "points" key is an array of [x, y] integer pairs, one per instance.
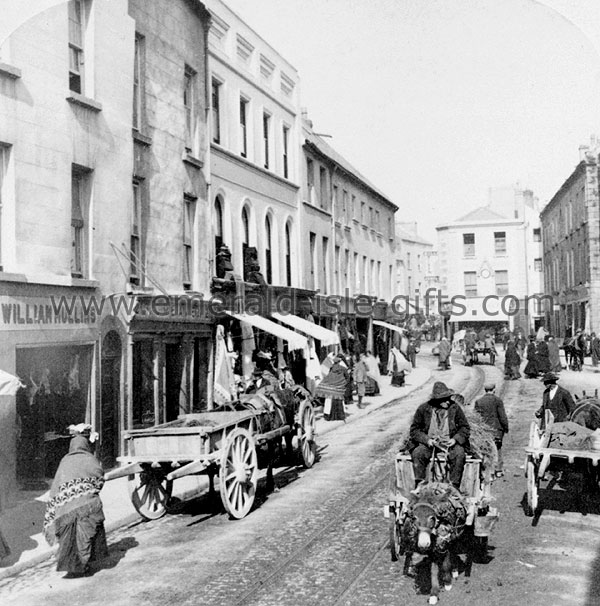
{"points": [[206, 170]]}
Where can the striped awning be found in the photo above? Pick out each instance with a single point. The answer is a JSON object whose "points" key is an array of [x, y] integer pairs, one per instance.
{"points": [[326, 336], [294, 340]]}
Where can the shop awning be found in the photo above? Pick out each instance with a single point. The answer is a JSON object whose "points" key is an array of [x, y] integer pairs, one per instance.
{"points": [[326, 336], [294, 339], [402, 331]]}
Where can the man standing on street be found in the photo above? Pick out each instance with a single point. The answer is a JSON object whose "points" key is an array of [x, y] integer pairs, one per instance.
{"points": [[555, 399], [411, 352], [444, 350], [491, 409], [595, 349], [439, 423], [360, 378]]}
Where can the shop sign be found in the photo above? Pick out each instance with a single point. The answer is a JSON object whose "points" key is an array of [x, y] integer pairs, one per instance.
{"points": [[173, 308], [34, 313]]}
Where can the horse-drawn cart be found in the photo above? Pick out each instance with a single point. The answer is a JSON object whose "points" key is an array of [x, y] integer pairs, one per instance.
{"points": [[474, 350], [222, 443], [547, 462]]}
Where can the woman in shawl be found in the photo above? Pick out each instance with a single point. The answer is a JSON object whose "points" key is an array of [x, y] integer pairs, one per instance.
{"points": [[531, 370], [74, 514], [554, 355], [543, 357], [333, 387], [512, 362], [373, 375]]}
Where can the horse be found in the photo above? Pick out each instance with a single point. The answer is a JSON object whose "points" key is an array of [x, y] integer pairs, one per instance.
{"points": [[434, 522], [574, 352]]}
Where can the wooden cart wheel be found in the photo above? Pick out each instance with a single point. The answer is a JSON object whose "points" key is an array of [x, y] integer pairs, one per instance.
{"points": [[306, 434], [395, 548], [532, 486], [150, 492], [238, 474]]}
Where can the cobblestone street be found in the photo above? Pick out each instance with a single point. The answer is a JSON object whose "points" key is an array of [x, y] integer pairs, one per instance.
{"points": [[321, 538]]}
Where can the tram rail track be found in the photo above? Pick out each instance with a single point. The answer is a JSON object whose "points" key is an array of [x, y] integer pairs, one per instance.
{"points": [[268, 582]]}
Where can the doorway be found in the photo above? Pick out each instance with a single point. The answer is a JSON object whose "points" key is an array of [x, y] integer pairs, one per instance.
{"points": [[111, 381]]}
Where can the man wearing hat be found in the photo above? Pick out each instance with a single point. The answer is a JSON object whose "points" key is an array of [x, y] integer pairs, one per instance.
{"points": [[491, 409], [439, 423], [556, 399]]}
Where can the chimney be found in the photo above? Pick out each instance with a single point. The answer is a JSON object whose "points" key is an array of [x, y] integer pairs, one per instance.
{"points": [[583, 150], [305, 119]]}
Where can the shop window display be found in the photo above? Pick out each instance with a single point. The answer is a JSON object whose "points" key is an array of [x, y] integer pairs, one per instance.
{"points": [[57, 383]]}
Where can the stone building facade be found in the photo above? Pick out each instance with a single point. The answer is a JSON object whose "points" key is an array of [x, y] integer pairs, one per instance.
{"points": [[103, 192], [348, 237], [254, 126], [571, 242]]}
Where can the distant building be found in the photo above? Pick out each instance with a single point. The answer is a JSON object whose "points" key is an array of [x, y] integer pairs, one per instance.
{"points": [[571, 240], [490, 263], [415, 261]]}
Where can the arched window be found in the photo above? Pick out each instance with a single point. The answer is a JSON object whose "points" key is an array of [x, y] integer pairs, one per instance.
{"points": [[288, 254], [245, 239], [218, 223], [246, 226], [268, 253]]}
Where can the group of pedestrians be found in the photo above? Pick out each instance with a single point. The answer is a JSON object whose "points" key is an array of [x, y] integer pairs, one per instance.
{"points": [[542, 357], [344, 378]]}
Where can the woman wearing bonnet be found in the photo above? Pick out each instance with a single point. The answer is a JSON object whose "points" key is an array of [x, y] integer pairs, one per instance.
{"points": [[74, 515]]}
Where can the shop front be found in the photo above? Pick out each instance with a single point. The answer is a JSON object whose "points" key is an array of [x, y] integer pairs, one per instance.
{"points": [[50, 341], [169, 353]]}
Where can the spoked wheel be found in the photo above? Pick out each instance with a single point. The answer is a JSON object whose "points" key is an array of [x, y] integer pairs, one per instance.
{"points": [[238, 474], [150, 492], [532, 486], [395, 548], [306, 434]]}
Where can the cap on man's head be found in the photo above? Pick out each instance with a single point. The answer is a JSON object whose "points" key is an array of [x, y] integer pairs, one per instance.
{"points": [[549, 377], [489, 386]]}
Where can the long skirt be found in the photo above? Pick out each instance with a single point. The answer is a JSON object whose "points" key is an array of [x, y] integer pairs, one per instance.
{"points": [[4, 548], [81, 539], [543, 364], [371, 387], [531, 370], [337, 410]]}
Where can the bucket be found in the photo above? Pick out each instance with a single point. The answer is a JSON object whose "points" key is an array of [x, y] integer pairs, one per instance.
{"points": [[485, 524]]}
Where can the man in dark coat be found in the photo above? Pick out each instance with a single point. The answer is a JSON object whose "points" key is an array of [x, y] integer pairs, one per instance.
{"points": [[444, 350], [411, 352], [595, 349], [439, 423], [556, 399], [491, 409]]}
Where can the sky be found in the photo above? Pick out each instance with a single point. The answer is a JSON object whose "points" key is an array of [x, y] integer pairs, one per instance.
{"points": [[436, 101]]}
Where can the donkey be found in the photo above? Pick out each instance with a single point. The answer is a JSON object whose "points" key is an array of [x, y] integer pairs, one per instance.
{"points": [[434, 522]]}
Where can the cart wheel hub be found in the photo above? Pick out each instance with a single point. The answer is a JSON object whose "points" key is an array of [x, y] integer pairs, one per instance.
{"points": [[243, 474], [309, 434]]}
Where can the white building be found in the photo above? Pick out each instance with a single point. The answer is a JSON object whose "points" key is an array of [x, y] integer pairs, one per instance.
{"points": [[490, 263], [254, 124], [414, 264]]}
